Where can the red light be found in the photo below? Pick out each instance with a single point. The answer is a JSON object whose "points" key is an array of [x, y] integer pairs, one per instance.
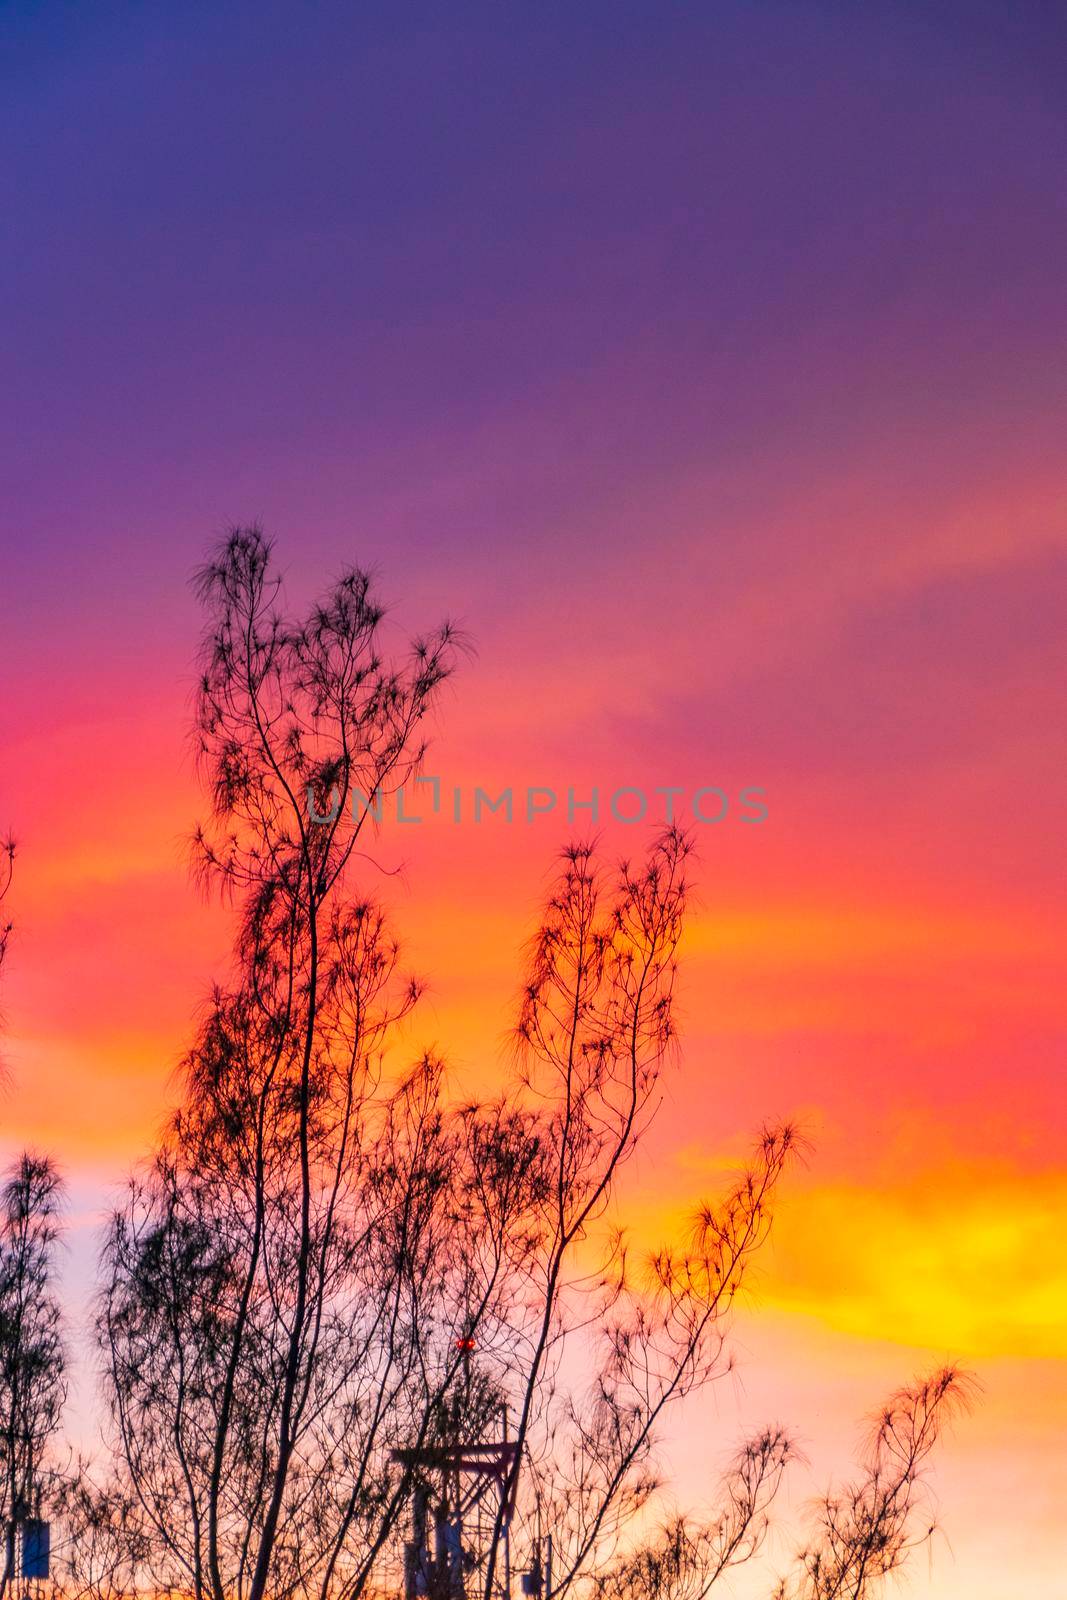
{"points": [[465, 1343]]}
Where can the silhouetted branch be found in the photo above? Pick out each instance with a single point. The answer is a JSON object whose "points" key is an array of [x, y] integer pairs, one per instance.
{"points": [[865, 1531], [7, 868], [330, 1274]]}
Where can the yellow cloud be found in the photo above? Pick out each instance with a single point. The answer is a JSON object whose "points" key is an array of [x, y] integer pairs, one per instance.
{"points": [[967, 1262], [970, 1264]]}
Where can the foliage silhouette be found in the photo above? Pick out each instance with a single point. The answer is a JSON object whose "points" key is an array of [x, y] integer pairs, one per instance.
{"points": [[32, 1363], [327, 1260]]}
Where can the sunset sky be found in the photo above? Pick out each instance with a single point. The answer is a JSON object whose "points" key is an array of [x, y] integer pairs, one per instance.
{"points": [[707, 363]]}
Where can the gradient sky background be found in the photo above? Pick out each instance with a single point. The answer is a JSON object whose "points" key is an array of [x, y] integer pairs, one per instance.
{"points": [[708, 364]]}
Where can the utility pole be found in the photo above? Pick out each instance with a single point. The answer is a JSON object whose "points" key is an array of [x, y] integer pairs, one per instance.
{"points": [[507, 1524]]}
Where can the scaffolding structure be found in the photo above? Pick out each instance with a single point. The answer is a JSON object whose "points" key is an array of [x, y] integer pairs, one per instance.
{"points": [[458, 1493]]}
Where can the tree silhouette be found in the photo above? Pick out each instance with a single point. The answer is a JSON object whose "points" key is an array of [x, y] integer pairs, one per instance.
{"points": [[32, 1383], [32, 1362], [866, 1530], [287, 1283], [861, 1534], [333, 1278], [596, 1021]]}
